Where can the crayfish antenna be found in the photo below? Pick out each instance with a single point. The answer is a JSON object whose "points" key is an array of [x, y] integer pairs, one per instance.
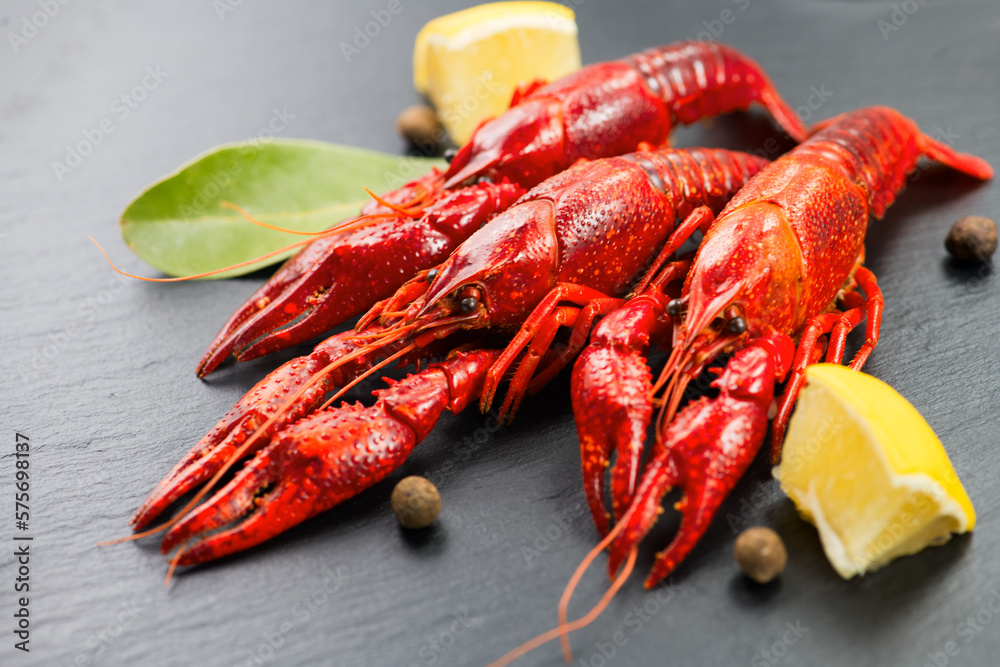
{"points": [[342, 272], [565, 628], [385, 362], [266, 225], [206, 274], [410, 209], [295, 295], [340, 227], [173, 565], [254, 440], [298, 302], [575, 580]]}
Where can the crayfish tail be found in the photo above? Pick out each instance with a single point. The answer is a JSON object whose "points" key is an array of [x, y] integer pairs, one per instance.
{"points": [[966, 163]]}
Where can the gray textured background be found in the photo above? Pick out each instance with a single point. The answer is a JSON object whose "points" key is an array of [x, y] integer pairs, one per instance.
{"points": [[100, 372]]}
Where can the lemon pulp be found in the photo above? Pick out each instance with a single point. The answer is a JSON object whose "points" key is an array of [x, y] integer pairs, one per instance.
{"points": [[864, 466], [468, 63]]}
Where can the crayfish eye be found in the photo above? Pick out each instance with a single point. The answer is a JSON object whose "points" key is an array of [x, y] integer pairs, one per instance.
{"points": [[675, 307], [469, 300], [735, 323], [468, 305]]}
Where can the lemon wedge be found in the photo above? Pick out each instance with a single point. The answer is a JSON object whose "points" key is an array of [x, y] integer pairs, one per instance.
{"points": [[863, 466], [468, 63]]}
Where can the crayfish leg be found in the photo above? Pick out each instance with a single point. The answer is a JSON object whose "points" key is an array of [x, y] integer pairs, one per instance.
{"points": [[837, 325]]}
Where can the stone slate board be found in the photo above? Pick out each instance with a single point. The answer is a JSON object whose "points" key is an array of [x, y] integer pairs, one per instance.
{"points": [[99, 372]]}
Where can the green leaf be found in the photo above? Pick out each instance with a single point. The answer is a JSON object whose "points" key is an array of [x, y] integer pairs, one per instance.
{"points": [[178, 226]]}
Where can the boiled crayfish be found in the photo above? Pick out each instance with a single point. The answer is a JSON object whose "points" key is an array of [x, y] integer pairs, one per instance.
{"points": [[602, 110], [778, 269]]}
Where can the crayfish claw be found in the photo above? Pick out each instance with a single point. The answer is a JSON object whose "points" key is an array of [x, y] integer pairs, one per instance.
{"points": [[342, 272], [245, 496], [326, 458], [192, 471], [660, 476], [705, 450], [277, 394], [229, 339], [611, 392], [305, 298]]}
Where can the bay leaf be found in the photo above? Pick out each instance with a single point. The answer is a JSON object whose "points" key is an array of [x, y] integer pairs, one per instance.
{"points": [[178, 226]]}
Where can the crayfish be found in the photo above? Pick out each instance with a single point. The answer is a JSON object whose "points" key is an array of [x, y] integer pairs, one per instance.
{"points": [[780, 267], [602, 110]]}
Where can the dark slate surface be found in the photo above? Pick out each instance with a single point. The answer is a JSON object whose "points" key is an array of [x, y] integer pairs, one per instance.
{"points": [[98, 372]]}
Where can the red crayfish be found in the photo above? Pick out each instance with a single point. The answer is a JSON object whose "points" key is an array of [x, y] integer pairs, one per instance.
{"points": [[780, 267], [602, 110]]}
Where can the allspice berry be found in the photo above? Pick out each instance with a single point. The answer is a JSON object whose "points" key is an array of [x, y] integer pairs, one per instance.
{"points": [[420, 126], [760, 553], [416, 502], [972, 239]]}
